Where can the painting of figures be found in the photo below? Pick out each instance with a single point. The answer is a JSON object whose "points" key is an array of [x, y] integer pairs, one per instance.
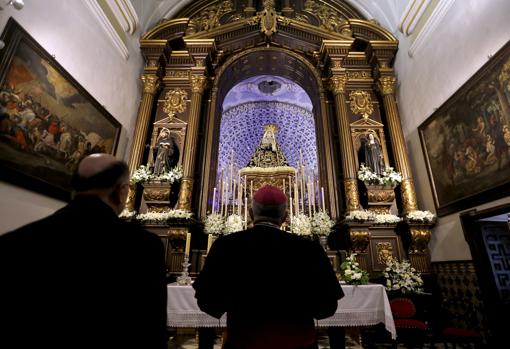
{"points": [[466, 142], [48, 122]]}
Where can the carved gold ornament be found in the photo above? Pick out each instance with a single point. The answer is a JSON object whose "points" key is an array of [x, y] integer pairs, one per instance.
{"points": [[175, 102], [268, 19], [408, 195], [351, 190], [184, 202], [198, 83], [209, 18], [329, 18], [337, 84], [361, 103], [420, 238], [384, 251], [386, 85], [359, 240], [150, 83]]}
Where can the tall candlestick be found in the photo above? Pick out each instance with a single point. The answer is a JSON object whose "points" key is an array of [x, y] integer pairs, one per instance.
{"points": [[214, 201], [283, 186], [251, 190], [234, 196], [313, 192], [245, 212], [220, 198], [188, 244], [240, 198], [323, 204], [309, 201], [209, 243], [245, 185], [290, 201], [296, 199]]}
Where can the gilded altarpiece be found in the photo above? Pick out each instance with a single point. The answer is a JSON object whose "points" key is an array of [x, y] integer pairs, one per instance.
{"points": [[341, 60]]}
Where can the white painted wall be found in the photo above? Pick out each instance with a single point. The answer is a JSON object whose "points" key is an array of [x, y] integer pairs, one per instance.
{"points": [[69, 30], [457, 47]]}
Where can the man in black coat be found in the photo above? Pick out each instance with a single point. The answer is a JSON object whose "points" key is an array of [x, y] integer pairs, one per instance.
{"points": [[82, 278], [271, 284]]}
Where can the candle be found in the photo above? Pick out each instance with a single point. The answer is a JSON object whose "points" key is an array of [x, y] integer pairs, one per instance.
{"points": [[283, 186], [188, 244], [290, 201], [245, 185], [209, 243], [234, 196], [221, 198], [322, 194], [251, 189], [309, 201], [296, 203], [245, 212], [240, 198], [313, 192], [214, 200]]}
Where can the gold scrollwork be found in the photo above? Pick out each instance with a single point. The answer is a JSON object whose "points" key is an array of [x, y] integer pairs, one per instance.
{"points": [[351, 190], [184, 202], [198, 83], [361, 103], [359, 240], [150, 83], [175, 102], [268, 20], [156, 194], [329, 18], [384, 251], [130, 202], [337, 84], [386, 84], [420, 238], [408, 195], [209, 18], [380, 195], [178, 74], [358, 75]]}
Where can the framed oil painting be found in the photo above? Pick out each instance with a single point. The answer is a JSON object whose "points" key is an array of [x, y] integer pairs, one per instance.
{"points": [[466, 142], [48, 122]]}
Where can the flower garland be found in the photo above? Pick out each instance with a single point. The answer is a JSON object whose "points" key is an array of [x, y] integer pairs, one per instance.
{"points": [[351, 273], [321, 223], [421, 217], [389, 177], [214, 224], [127, 214], [301, 225], [143, 174], [401, 276], [386, 219], [233, 223], [360, 216], [163, 217]]}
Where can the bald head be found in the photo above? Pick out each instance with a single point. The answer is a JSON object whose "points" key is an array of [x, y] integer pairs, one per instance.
{"points": [[99, 172]]}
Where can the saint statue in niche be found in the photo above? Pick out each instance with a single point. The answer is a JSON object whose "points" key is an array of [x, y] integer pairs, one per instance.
{"points": [[268, 153], [371, 154], [167, 152]]}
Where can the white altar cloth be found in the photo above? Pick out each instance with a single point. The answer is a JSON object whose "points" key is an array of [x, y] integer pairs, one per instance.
{"points": [[363, 305]]}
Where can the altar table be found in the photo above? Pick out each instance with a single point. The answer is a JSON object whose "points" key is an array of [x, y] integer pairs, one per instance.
{"points": [[363, 305]]}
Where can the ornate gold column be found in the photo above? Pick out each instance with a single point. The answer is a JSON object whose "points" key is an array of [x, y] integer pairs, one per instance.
{"points": [[198, 83], [337, 85], [386, 85], [150, 86]]}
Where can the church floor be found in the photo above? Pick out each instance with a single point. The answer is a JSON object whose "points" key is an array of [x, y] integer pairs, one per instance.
{"points": [[187, 339]]}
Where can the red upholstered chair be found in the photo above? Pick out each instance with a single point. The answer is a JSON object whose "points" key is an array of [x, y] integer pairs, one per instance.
{"points": [[410, 329], [460, 325]]}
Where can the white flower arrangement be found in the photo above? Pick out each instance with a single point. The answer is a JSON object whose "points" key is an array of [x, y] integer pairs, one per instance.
{"points": [[421, 216], [366, 175], [143, 174], [351, 273], [127, 214], [321, 223], [360, 216], [400, 276], [389, 177], [301, 225], [214, 224], [162, 217], [233, 223], [386, 219], [171, 176]]}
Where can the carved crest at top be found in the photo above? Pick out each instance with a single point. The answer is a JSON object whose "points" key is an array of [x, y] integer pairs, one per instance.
{"points": [[209, 18], [329, 18], [175, 102], [361, 103]]}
